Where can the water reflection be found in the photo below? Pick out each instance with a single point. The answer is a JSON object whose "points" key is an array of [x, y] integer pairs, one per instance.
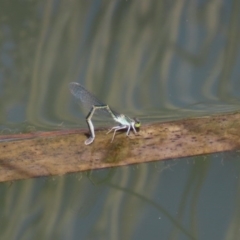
{"points": [[178, 199], [140, 57], [158, 60]]}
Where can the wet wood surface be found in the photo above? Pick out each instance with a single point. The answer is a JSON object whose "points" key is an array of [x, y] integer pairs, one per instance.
{"points": [[55, 153]]}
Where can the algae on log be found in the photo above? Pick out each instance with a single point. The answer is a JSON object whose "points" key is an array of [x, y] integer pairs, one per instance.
{"points": [[54, 153]]}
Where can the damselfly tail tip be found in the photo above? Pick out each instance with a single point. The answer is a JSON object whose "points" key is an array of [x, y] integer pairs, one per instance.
{"points": [[89, 141]]}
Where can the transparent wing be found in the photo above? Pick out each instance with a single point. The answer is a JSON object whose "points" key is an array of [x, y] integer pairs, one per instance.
{"points": [[88, 99]]}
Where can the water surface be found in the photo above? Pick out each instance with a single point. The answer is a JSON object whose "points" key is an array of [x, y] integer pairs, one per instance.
{"points": [[157, 60]]}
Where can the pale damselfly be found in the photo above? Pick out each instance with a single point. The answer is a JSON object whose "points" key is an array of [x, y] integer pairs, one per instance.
{"points": [[91, 102]]}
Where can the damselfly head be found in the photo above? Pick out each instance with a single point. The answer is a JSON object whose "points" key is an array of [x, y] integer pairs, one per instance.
{"points": [[137, 123]]}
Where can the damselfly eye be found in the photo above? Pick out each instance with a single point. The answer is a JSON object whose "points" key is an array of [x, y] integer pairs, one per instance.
{"points": [[137, 123]]}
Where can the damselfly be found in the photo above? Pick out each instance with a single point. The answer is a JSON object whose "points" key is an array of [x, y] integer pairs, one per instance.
{"points": [[91, 102]]}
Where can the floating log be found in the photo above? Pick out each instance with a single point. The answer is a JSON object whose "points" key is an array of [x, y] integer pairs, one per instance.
{"points": [[39, 154]]}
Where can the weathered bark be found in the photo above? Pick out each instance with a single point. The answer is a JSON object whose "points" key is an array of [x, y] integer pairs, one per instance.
{"points": [[42, 154]]}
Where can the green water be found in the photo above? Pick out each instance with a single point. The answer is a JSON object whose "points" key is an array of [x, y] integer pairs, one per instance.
{"points": [[157, 60]]}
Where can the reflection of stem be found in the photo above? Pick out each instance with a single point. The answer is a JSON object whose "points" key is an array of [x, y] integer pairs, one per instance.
{"points": [[194, 183], [157, 206]]}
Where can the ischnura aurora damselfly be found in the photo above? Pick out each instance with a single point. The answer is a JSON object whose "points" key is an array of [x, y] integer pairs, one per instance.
{"points": [[91, 102]]}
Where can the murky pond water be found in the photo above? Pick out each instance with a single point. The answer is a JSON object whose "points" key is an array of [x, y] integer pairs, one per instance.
{"points": [[157, 60]]}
